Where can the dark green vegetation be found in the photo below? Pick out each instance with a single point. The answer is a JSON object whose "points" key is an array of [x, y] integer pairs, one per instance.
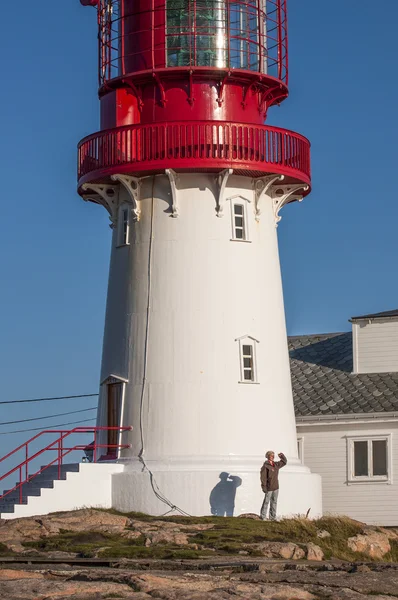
{"points": [[228, 536]]}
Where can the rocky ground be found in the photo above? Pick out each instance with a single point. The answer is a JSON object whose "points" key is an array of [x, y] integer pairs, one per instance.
{"points": [[92, 554]]}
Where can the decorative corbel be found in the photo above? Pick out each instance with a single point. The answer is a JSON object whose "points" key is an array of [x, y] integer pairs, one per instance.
{"points": [[173, 178], [221, 181], [283, 194], [132, 185], [106, 195], [261, 186], [221, 86]]}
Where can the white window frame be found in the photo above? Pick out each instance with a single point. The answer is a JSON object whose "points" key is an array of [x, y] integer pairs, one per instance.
{"points": [[123, 239], [240, 201], [352, 479], [248, 340], [300, 449]]}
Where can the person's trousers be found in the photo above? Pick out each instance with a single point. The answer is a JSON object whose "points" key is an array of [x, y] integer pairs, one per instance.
{"points": [[271, 499]]}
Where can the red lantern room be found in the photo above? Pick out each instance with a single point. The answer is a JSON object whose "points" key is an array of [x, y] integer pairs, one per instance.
{"points": [[186, 85]]}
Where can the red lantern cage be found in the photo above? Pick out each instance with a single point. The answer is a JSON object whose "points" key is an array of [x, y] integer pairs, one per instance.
{"points": [[186, 84]]}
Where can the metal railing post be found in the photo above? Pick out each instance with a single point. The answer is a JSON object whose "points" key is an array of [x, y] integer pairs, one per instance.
{"points": [[20, 484], [26, 463], [59, 458], [95, 446]]}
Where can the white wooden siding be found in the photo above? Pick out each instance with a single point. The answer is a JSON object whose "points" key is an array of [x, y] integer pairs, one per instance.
{"points": [[375, 346], [326, 454]]}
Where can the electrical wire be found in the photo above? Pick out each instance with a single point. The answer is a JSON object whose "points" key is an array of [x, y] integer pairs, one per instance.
{"points": [[154, 485], [46, 399], [41, 428], [72, 412]]}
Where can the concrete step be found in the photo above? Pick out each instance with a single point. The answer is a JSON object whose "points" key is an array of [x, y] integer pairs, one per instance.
{"points": [[6, 508], [67, 468]]}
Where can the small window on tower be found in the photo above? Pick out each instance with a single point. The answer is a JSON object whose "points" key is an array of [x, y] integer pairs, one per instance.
{"points": [[239, 218], [247, 351], [248, 365], [239, 222], [123, 226]]}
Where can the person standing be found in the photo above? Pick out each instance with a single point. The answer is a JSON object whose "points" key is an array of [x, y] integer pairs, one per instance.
{"points": [[269, 475]]}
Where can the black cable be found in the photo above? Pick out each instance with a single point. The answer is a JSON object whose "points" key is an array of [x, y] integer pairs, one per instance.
{"points": [[41, 428], [46, 399], [154, 485], [72, 412]]}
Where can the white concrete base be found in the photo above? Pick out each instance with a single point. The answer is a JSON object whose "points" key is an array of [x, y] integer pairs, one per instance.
{"points": [[90, 487], [193, 488]]}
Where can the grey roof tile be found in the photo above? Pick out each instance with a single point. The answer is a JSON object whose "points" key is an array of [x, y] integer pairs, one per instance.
{"points": [[323, 382]]}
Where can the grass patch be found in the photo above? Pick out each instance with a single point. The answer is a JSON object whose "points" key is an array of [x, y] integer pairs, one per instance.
{"points": [[88, 544], [4, 551], [85, 543], [228, 536]]}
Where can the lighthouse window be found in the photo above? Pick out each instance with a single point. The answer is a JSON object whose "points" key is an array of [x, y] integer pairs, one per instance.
{"points": [[244, 35], [248, 368], [239, 222], [196, 33], [123, 226], [247, 356]]}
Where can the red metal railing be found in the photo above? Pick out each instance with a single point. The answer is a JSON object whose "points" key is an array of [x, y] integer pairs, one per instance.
{"points": [[57, 446], [192, 146], [234, 35]]}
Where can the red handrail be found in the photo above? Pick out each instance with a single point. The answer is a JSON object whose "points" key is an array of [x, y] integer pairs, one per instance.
{"points": [[56, 445]]}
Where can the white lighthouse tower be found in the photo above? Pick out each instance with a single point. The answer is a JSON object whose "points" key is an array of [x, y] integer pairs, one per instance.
{"points": [[195, 354]]}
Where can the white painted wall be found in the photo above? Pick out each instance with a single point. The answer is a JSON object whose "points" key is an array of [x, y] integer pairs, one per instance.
{"points": [[375, 346], [90, 487], [325, 452], [201, 291]]}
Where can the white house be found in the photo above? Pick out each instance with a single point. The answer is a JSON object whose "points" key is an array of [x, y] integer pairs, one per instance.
{"points": [[345, 389]]}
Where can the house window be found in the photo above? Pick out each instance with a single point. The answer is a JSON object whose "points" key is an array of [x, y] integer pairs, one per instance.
{"points": [[369, 458], [123, 226], [248, 368]]}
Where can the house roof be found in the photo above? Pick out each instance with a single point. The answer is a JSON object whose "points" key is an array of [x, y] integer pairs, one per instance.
{"points": [[323, 382], [379, 315]]}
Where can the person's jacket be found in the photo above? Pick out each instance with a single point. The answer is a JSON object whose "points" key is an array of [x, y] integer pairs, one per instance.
{"points": [[269, 474]]}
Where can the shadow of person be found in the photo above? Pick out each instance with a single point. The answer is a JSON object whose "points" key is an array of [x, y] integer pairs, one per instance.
{"points": [[222, 496]]}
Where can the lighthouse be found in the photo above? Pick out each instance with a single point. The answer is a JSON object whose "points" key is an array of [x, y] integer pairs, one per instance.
{"points": [[195, 356]]}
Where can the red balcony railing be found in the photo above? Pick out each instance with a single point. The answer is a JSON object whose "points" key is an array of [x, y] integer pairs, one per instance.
{"points": [[194, 146]]}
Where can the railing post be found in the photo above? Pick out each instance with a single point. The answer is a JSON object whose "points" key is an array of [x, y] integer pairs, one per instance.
{"points": [[95, 446], [20, 484], [59, 458], [26, 463]]}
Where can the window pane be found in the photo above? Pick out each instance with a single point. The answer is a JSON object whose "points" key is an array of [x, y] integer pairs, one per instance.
{"points": [[247, 362], [361, 459], [248, 374], [239, 222], [247, 350], [379, 449], [238, 209]]}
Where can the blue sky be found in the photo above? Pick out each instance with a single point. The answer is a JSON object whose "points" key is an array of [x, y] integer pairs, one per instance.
{"points": [[337, 247]]}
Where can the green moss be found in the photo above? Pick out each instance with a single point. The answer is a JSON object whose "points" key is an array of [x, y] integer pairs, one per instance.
{"points": [[4, 551], [227, 536]]}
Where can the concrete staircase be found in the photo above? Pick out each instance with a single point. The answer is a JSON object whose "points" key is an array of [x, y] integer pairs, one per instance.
{"points": [[34, 487], [81, 485]]}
